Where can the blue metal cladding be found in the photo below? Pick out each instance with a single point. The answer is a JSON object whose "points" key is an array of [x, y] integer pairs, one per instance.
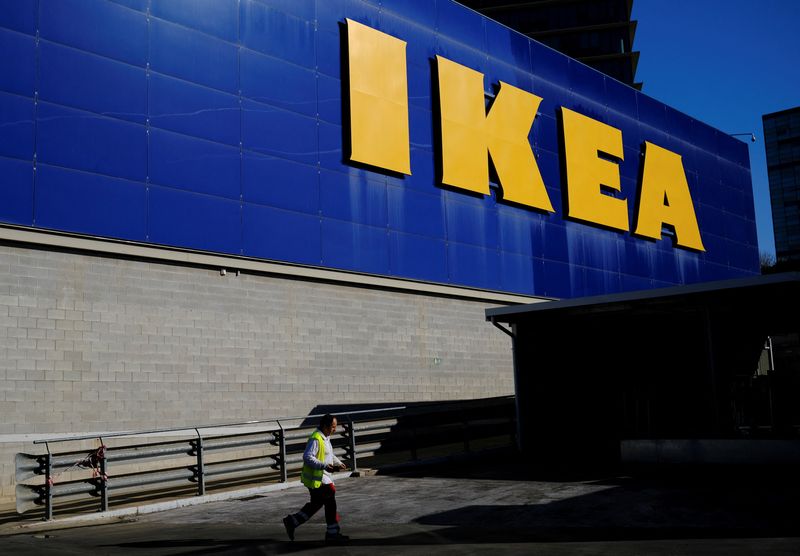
{"points": [[217, 125]]}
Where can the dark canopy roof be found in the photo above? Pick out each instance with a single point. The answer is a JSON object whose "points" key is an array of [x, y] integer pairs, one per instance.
{"points": [[675, 362], [775, 298]]}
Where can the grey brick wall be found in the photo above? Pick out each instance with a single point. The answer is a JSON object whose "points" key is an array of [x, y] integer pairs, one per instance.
{"points": [[93, 343]]}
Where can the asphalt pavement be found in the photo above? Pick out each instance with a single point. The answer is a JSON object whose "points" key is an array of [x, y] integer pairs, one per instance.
{"points": [[505, 509]]}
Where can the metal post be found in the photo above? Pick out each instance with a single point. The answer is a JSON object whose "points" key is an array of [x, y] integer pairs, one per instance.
{"points": [[282, 453], [103, 481], [771, 357], [522, 442], [201, 471], [351, 431], [770, 378], [48, 485]]}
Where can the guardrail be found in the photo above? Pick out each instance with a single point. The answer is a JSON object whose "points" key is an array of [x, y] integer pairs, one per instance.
{"points": [[275, 452]]}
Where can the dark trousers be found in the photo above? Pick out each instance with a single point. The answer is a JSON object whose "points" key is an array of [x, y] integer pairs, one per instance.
{"points": [[325, 495]]}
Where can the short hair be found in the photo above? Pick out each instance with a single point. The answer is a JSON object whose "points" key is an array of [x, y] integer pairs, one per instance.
{"points": [[326, 421]]}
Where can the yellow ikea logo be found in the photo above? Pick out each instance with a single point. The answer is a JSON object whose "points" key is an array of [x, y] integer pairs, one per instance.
{"points": [[379, 136]]}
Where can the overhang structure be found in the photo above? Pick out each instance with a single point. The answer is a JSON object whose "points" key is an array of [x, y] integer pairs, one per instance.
{"points": [[657, 364]]}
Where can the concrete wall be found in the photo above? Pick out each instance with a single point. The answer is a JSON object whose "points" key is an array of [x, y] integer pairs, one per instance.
{"points": [[100, 343]]}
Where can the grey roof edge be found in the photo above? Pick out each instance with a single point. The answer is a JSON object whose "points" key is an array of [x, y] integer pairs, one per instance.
{"points": [[497, 314]]}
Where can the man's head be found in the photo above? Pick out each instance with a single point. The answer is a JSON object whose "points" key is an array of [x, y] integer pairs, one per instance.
{"points": [[327, 424]]}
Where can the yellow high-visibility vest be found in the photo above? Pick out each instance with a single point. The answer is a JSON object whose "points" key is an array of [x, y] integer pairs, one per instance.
{"points": [[310, 477]]}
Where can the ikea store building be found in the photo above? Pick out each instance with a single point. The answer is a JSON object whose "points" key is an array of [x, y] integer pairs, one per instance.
{"points": [[222, 210]]}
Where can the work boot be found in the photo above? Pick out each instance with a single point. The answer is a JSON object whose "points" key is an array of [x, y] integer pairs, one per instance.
{"points": [[288, 522], [336, 538]]}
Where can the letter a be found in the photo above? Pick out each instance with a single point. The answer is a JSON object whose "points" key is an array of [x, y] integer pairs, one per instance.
{"points": [[665, 199]]}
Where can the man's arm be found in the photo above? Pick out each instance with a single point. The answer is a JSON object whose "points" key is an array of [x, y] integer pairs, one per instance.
{"points": [[338, 463], [310, 455]]}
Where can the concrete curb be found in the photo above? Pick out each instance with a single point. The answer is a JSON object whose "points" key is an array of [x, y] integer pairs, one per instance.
{"points": [[129, 514]]}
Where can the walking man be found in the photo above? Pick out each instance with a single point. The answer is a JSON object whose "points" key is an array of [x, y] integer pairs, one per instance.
{"points": [[319, 462]]}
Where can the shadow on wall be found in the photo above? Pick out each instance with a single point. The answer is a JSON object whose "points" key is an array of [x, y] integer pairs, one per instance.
{"points": [[477, 406], [424, 431]]}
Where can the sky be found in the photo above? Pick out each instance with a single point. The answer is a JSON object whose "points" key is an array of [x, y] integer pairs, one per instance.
{"points": [[725, 62]]}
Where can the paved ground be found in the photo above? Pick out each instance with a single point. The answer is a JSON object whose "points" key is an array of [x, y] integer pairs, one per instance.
{"points": [[506, 510]]}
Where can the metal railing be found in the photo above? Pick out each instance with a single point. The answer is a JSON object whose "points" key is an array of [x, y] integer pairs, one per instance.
{"points": [[271, 452]]}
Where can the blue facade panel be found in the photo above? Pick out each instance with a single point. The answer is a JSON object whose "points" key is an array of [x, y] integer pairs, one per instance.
{"points": [[327, 52], [516, 272], [22, 19], [471, 220], [331, 150], [16, 191], [474, 266], [416, 212], [194, 220], [219, 125], [355, 247], [280, 83], [90, 142], [296, 140], [90, 203], [193, 56], [280, 183], [18, 63], [117, 89], [352, 198], [193, 109], [215, 17], [282, 235], [193, 164], [16, 122], [329, 99], [138, 5], [418, 257], [96, 26], [269, 29]]}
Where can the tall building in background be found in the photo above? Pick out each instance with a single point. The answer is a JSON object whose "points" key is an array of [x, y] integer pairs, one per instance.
{"points": [[782, 139], [598, 33]]}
